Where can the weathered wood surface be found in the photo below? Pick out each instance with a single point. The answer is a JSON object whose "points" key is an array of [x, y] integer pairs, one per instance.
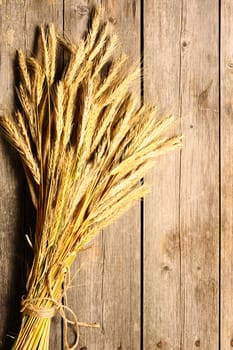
{"points": [[226, 144], [162, 275], [182, 213], [11, 190], [199, 177], [19, 20], [108, 284], [161, 279]]}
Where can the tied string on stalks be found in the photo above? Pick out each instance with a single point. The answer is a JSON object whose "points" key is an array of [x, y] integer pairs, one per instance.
{"points": [[33, 307], [30, 309], [85, 142]]}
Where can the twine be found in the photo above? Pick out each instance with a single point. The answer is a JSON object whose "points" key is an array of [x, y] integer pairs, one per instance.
{"points": [[37, 311], [30, 309]]}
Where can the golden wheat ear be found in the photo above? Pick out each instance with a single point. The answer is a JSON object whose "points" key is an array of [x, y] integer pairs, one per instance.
{"points": [[85, 142]]}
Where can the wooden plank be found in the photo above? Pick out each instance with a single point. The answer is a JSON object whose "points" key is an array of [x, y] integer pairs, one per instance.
{"points": [[162, 303], [199, 191], [84, 296], [12, 186], [121, 278], [18, 24], [182, 242], [42, 13], [108, 285], [226, 175]]}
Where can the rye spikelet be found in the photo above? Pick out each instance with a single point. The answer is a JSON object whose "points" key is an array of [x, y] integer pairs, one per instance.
{"points": [[85, 143]]}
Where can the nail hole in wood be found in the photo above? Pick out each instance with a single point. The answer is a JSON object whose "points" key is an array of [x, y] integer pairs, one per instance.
{"points": [[82, 10], [166, 268], [112, 20], [159, 344], [197, 343]]}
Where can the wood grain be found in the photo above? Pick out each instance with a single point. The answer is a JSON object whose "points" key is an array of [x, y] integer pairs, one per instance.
{"points": [[12, 193], [182, 215], [19, 20], [84, 297], [121, 241], [162, 274], [42, 13], [199, 190], [226, 175], [108, 279]]}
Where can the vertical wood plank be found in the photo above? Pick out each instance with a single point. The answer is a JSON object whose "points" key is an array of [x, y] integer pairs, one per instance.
{"points": [[162, 304], [226, 174], [199, 190], [121, 242], [12, 187], [42, 13], [84, 297], [107, 287], [19, 20], [182, 242]]}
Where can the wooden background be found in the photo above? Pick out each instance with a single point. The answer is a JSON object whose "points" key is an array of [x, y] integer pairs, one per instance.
{"points": [[162, 276]]}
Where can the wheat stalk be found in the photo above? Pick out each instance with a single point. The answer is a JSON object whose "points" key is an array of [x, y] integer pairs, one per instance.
{"points": [[85, 143]]}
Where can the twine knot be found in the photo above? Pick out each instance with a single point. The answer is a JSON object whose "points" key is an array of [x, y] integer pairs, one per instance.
{"points": [[47, 312], [37, 311]]}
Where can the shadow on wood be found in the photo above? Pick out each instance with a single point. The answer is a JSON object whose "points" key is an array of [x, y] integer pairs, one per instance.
{"points": [[14, 248]]}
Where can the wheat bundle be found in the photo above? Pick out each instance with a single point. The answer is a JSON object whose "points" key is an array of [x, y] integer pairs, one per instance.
{"points": [[85, 143]]}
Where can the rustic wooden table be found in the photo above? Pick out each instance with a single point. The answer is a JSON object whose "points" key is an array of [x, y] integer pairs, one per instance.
{"points": [[162, 276]]}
